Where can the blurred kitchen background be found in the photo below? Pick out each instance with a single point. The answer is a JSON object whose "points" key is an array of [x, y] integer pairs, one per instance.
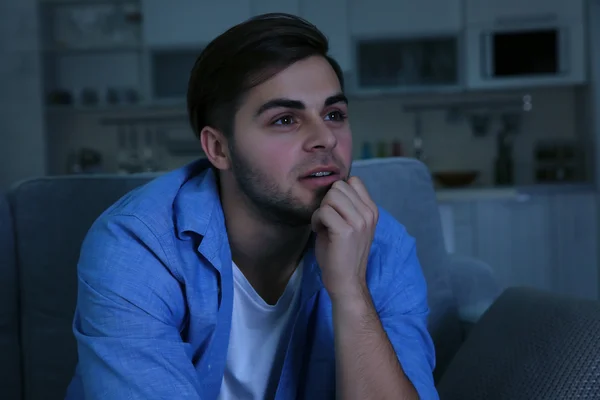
{"points": [[499, 98]]}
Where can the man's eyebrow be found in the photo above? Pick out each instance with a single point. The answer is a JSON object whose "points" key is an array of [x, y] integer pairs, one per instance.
{"points": [[338, 98], [280, 103], [297, 104]]}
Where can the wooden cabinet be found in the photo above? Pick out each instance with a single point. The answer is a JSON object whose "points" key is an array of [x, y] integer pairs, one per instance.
{"points": [[183, 23], [486, 12], [404, 17]]}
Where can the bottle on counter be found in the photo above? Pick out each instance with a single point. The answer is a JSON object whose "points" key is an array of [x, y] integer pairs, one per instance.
{"points": [[397, 150], [366, 152], [382, 150]]}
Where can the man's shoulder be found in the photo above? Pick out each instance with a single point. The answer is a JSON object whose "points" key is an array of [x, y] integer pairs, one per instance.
{"points": [[155, 203], [391, 236], [394, 266]]}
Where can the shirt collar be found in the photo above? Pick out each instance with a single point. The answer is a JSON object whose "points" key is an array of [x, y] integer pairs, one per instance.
{"points": [[198, 210]]}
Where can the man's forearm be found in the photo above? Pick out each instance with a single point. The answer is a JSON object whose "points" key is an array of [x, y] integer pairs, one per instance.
{"points": [[366, 363]]}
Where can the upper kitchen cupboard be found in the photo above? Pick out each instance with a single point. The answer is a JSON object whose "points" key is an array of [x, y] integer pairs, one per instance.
{"points": [[185, 23], [516, 44], [258, 7], [331, 17], [404, 17], [401, 47], [22, 137], [485, 12]]}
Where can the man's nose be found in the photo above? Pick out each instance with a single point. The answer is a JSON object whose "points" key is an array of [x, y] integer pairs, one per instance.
{"points": [[321, 137]]}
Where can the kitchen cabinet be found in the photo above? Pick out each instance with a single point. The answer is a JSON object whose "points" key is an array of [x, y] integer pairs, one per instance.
{"points": [[575, 243], [545, 241], [514, 44], [258, 7], [464, 228], [190, 23], [479, 59], [404, 17], [510, 12], [513, 237], [331, 18], [23, 143]]}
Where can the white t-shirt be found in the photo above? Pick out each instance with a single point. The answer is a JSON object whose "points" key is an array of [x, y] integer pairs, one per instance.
{"points": [[258, 340]]}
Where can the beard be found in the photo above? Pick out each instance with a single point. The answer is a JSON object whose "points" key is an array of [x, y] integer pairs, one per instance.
{"points": [[267, 198]]}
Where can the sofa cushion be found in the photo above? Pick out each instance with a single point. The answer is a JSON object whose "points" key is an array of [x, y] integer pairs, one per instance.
{"points": [[403, 187], [529, 345], [10, 365], [52, 216]]}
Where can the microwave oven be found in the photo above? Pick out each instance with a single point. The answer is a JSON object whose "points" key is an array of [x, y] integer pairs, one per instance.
{"points": [[527, 52], [549, 54]]}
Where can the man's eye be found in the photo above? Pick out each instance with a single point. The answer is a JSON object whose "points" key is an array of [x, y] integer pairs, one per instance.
{"points": [[337, 116], [287, 120]]}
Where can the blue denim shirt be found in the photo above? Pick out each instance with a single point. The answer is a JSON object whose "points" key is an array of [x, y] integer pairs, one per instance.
{"points": [[156, 292]]}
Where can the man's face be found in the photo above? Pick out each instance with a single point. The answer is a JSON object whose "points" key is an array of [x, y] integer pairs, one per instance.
{"points": [[289, 127]]}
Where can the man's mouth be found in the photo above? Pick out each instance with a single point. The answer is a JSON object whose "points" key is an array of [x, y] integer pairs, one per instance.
{"points": [[321, 177], [322, 172]]}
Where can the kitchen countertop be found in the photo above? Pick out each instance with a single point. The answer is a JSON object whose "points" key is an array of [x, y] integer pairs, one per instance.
{"points": [[510, 192]]}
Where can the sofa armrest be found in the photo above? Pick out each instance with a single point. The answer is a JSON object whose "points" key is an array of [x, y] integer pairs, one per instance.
{"points": [[474, 285], [529, 345]]}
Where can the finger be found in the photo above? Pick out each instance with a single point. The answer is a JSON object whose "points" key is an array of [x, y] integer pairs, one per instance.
{"points": [[362, 191], [349, 191], [340, 202], [364, 216], [326, 218]]}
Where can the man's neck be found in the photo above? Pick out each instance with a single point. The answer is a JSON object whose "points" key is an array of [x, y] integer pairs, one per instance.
{"points": [[265, 252]]}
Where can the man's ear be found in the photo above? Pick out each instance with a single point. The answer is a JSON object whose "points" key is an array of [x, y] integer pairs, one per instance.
{"points": [[214, 144]]}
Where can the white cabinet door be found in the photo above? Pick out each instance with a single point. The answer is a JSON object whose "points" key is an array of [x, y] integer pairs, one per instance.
{"points": [[190, 22], [464, 235], [513, 237], [275, 6], [549, 242], [404, 17], [501, 12], [575, 250], [493, 231], [331, 17], [531, 245]]}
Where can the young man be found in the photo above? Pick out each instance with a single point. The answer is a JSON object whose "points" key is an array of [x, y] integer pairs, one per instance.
{"points": [[265, 271]]}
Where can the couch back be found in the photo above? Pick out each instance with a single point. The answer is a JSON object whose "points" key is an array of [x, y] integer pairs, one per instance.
{"points": [[52, 215], [10, 362], [403, 187]]}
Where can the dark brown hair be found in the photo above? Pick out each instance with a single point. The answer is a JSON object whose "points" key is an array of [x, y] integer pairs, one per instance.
{"points": [[243, 57]]}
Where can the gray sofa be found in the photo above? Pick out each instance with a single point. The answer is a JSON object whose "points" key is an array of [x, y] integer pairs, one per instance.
{"points": [[43, 222]]}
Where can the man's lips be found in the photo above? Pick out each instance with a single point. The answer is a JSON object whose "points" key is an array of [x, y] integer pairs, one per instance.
{"points": [[322, 171], [321, 177]]}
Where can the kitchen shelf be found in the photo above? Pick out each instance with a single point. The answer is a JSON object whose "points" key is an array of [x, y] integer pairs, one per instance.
{"points": [[84, 2], [60, 51], [58, 109], [115, 109]]}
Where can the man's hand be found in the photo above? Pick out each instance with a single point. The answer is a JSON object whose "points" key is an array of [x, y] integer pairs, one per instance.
{"points": [[345, 224], [367, 366]]}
